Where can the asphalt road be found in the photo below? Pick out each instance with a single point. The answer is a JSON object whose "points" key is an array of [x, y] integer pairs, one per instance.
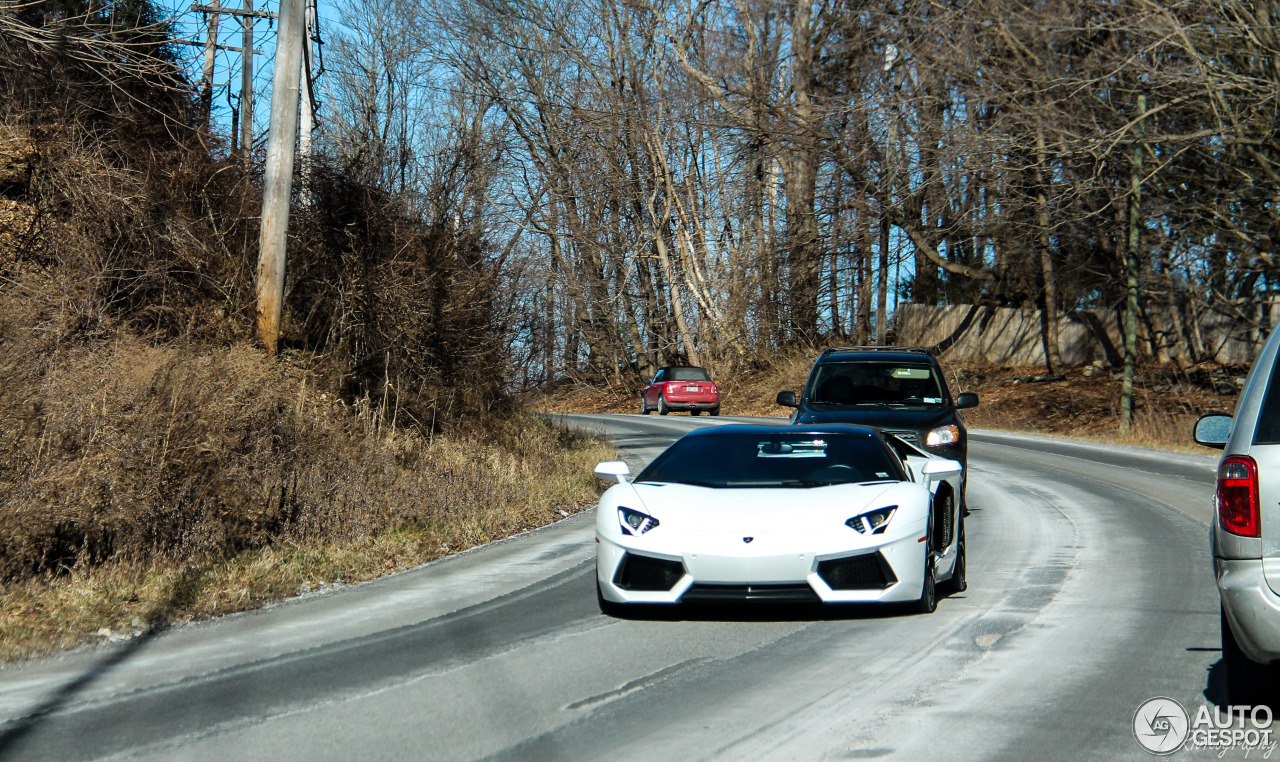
{"points": [[1090, 591]]}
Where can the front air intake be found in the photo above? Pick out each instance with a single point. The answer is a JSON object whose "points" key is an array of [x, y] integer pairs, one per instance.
{"points": [[868, 571], [799, 593], [645, 574]]}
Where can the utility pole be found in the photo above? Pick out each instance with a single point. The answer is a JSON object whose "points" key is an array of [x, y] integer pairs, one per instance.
{"points": [[210, 51], [307, 125], [1131, 266], [246, 83], [278, 178], [243, 122]]}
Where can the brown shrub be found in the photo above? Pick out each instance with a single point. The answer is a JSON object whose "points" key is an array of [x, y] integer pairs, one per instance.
{"points": [[123, 451], [141, 436]]}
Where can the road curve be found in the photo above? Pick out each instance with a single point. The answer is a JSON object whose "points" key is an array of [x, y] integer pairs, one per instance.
{"points": [[1090, 591]]}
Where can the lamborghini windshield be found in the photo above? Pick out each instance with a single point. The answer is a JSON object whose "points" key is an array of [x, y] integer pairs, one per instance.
{"points": [[726, 458], [875, 383]]}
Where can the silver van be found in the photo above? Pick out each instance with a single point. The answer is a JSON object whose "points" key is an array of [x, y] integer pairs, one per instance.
{"points": [[1245, 537]]}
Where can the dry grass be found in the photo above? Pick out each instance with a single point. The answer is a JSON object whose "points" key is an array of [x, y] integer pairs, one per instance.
{"points": [[48, 613], [1166, 405], [146, 484]]}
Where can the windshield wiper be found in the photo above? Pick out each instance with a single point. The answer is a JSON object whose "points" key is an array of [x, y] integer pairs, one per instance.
{"points": [[782, 483]]}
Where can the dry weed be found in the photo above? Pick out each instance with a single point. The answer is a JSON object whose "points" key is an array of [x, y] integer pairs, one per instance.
{"points": [[127, 466]]}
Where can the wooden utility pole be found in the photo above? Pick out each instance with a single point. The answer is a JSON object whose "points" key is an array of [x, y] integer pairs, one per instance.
{"points": [[210, 51], [307, 125], [1131, 266], [242, 123], [277, 182], [246, 82]]}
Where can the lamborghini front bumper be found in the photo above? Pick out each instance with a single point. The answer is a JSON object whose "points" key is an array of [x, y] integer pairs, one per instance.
{"points": [[735, 568]]}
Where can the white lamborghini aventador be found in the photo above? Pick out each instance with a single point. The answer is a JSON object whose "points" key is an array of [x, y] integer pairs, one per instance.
{"points": [[832, 513]]}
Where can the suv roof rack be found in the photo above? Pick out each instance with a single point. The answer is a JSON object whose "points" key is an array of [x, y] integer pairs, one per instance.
{"points": [[915, 350]]}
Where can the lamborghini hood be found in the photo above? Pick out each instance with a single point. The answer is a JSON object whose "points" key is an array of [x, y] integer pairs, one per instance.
{"points": [[697, 509]]}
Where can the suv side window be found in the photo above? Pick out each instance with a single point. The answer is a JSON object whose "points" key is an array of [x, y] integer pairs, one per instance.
{"points": [[1267, 430]]}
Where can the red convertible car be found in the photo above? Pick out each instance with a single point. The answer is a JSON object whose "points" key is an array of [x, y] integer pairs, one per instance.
{"points": [[681, 388]]}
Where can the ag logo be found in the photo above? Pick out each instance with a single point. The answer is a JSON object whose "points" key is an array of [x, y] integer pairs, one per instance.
{"points": [[1161, 725], [747, 540]]}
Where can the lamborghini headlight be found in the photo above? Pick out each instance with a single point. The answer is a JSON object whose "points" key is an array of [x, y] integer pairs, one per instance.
{"points": [[943, 435], [634, 522], [872, 522]]}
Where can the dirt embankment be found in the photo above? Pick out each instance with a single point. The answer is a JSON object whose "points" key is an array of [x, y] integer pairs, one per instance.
{"points": [[155, 466], [144, 485], [1082, 402]]}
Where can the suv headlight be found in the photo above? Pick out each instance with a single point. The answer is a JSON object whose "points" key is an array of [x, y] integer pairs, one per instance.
{"points": [[872, 522], [634, 522], [943, 435]]}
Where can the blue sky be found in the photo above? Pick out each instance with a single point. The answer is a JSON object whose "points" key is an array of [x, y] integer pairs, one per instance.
{"points": [[190, 25]]}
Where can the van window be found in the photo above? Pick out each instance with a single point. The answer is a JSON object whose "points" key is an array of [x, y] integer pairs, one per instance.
{"points": [[1267, 430]]}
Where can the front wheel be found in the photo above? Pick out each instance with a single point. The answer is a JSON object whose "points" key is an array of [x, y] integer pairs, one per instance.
{"points": [[662, 406], [928, 602], [644, 409]]}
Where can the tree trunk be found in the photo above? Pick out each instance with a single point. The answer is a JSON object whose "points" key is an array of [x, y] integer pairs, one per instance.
{"points": [[1052, 354], [882, 284], [803, 255], [1131, 263]]}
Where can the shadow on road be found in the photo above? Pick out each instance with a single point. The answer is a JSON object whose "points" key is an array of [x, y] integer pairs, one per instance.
{"points": [[765, 612], [180, 593], [1215, 684], [1215, 680]]}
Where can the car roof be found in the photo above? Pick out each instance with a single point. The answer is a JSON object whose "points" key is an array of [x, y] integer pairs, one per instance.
{"points": [[817, 429], [882, 354], [681, 367]]}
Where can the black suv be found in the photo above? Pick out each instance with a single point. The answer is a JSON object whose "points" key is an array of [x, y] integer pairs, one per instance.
{"points": [[899, 390]]}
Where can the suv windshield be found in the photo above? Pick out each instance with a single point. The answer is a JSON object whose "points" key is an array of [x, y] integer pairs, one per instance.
{"points": [[875, 383], [735, 459], [686, 374]]}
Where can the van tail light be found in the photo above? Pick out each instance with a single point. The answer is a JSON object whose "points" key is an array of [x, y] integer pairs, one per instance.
{"points": [[1237, 496]]}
